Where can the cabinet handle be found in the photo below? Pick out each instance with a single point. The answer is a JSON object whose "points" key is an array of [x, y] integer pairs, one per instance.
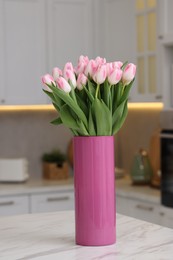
{"points": [[58, 199], [2, 101], [162, 214], [7, 203], [160, 37], [143, 207], [158, 97]]}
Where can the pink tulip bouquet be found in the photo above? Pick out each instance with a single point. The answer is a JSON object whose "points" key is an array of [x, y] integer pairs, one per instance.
{"points": [[91, 99]]}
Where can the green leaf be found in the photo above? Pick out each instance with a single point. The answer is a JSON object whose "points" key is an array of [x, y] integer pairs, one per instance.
{"points": [[117, 125], [102, 117], [81, 128], [82, 104], [124, 65], [90, 96], [126, 91], [56, 121], [106, 93], [118, 113], [70, 102], [50, 94], [116, 96], [67, 117], [91, 88], [91, 126]]}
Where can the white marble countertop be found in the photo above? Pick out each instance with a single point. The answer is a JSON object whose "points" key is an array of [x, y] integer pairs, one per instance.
{"points": [[51, 236]]}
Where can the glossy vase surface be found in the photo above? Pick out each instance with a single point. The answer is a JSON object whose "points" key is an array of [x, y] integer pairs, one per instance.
{"points": [[94, 180]]}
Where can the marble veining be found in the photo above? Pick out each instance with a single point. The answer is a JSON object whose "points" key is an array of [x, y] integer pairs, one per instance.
{"points": [[52, 236]]}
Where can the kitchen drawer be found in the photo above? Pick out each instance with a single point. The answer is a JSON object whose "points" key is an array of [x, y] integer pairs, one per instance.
{"points": [[138, 209], [54, 201], [14, 205]]}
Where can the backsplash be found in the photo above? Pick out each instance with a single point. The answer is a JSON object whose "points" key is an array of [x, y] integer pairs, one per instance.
{"points": [[135, 134], [29, 134]]}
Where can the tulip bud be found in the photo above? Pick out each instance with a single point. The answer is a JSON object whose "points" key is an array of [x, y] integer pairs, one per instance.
{"points": [[82, 63], [56, 73], [69, 75], [81, 80], [68, 66], [90, 68], [47, 79], [100, 61], [117, 64], [115, 76], [100, 75], [63, 84], [128, 74]]}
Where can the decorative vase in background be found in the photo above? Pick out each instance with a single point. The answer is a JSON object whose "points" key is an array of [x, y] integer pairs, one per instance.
{"points": [[95, 214]]}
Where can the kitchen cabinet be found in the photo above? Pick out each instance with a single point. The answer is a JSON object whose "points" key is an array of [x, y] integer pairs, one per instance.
{"points": [[116, 42], [139, 209], [14, 205], [165, 39], [128, 33], [148, 52], [23, 49], [70, 32], [35, 36], [52, 202], [165, 29]]}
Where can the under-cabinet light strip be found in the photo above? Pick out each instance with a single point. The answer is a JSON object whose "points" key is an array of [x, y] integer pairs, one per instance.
{"points": [[51, 108]]}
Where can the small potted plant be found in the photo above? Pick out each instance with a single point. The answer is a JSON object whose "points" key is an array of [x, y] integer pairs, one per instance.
{"points": [[55, 166]]}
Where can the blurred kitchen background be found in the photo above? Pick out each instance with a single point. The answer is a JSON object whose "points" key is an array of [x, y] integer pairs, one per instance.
{"points": [[37, 35]]}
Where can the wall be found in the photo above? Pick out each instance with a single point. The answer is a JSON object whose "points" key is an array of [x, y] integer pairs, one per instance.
{"points": [[29, 134], [135, 134]]}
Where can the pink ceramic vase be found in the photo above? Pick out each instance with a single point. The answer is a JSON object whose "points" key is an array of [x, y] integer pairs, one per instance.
{"points": [[94, 190]]}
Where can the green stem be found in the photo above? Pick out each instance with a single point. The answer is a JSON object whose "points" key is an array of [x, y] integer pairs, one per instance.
{"points": [[97, 90]]}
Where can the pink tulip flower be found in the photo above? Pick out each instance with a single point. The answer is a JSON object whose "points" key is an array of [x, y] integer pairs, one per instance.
{"points": [[82, 63], [69, 75], [115, 76], [47, 79], [117, 64], [128, 73], [68, 66], [63, 84], [100, 61], [100, 75], [90, 68], [81, 81], [56, 72]]}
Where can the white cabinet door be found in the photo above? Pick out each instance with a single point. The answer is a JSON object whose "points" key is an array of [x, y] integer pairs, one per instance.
{"points": [[165, 21], [52, 202], [70, 33], [22, 45], [117, 32], [14, 205], [138, 209]]}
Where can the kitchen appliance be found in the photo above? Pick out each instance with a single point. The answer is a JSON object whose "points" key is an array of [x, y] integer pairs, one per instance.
{"points": [[141, 171], [13, 170], [167, 158]]}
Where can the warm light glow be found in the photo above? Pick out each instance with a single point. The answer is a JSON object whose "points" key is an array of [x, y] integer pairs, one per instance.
{"points": [[51, 107], [137, 106], [16, 108]]}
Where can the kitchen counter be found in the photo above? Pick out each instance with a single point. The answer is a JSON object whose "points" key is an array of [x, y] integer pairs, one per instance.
{"points": [[123, 188], [36, 186], [51, 236]]}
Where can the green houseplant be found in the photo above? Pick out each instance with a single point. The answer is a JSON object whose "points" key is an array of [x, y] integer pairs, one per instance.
{"points": [[55, 165]]}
